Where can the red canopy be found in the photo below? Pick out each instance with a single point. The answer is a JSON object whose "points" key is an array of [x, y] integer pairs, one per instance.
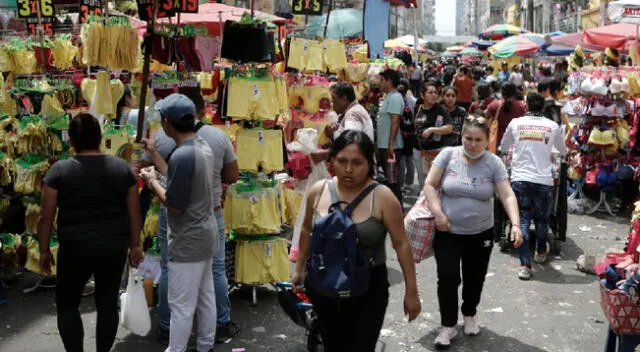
{"points": [[617, 36], [212, 14], [574, 39]]}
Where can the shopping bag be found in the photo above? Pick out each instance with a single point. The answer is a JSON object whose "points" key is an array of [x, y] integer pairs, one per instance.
{"points": [[307, 144], [134, 314], [420, 226], [623, 314]]}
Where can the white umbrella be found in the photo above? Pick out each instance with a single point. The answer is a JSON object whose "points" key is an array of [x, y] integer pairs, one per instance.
{"points": [[627, 11], [410, 40]]}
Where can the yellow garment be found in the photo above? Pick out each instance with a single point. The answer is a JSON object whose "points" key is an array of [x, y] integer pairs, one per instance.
{"points": [[281, 95], [313, 95], [622, 132], [33, 257], [116, 144], [62, 53], [6, 62], [24, 62], [156, 66], [319, 126], [109, 92], [305, 55], [261, 262], [603, 139], [293, 201], [259, 147], [230, 130], [51, 107], [252, 99], [634, 87], [253, 213], [335, 58], [356, 72]]}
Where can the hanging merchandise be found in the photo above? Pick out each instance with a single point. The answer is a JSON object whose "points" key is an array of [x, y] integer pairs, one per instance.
{"points": [[252, 209], [63, 52], [117, 141], [110, 42], [102, 94], [28, 173], [247, 42], [312, 55], [11, 244], [260, 148], [260, 261], [20, 57]]}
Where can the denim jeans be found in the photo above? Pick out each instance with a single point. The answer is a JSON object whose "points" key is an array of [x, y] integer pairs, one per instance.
{"points": [[220, 283], [535, 202]]}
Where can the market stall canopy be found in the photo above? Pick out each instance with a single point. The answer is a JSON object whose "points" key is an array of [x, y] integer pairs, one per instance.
{"points": [[501, 31], [471, 51], [528, 44], [214, 14], [619, 36], [343, 23], [454, 49], [575, 39], [393, 43], [410, 40], [483, 44]]}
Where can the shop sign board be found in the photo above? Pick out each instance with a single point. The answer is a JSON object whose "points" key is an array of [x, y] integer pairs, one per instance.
{"points": [[307, 7]]}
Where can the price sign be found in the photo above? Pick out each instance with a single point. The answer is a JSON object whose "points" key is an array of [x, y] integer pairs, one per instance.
{"points": [[90, 8], [186, 6], [29, 8], [307, 7], [45, 26], [165, 9]]}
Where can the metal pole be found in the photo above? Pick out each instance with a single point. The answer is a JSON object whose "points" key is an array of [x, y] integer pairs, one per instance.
{"points": [[145, 73], [221, 32], [326, 23]]}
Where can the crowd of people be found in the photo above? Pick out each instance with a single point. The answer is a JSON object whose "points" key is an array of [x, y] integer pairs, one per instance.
{"points": [[445, 123]]}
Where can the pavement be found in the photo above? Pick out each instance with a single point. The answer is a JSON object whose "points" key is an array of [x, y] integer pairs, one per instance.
{"points": [[558, 311]]}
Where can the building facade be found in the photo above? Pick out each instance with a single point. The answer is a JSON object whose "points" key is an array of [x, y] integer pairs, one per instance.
{"points": [[550, 16], [478, 15]]}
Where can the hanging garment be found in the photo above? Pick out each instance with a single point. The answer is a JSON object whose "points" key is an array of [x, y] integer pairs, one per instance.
{"points": [[247, 42], [262, 261], [260, 148], [253, 99]]}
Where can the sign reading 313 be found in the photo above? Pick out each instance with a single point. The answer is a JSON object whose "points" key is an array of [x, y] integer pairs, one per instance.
{"points": [[29, 8], [307, 7]]}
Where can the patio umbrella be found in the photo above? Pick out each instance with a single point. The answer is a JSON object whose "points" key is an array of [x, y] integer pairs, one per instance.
{"points": [[521, 45], [483, 44], [556, 34], [410, 40], [455, 49], [501, 31], [471, 51], [343, 23], [393, 43]]}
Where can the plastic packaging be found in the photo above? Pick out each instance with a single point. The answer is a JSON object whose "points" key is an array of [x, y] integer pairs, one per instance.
{"points": [[134, 312]]}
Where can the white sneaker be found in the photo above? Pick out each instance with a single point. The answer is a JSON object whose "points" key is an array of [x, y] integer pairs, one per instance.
{"points": [[471, 327], [443, 341]]}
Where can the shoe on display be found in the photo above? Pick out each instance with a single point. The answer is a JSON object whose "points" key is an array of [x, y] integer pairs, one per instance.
{"points": [[471, 327], [541, 258], [226, 333], [443, 341], [525, 273]]}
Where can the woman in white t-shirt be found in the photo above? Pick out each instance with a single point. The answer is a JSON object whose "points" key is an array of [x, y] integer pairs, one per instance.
{"points": [[516, 76]]}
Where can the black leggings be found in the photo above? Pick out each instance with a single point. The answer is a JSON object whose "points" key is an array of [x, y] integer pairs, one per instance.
{"points": [[474, 251], [353, 324], [77, 261]]}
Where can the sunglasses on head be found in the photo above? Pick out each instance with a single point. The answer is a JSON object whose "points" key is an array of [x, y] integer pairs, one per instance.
{"points": [[479, 119]]}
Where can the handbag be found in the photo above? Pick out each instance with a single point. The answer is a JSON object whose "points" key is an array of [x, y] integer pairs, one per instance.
{"points": [[493, 131], [420, 226]]}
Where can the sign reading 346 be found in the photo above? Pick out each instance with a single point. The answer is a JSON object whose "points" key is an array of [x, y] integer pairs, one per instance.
{"points": [[29, 8], [307, 7]]}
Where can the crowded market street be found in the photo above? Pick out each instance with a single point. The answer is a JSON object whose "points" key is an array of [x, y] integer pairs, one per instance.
{"points": [[558, 311]]}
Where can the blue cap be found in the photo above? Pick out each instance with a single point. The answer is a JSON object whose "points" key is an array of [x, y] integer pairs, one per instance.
{"points": [[175, 107]]}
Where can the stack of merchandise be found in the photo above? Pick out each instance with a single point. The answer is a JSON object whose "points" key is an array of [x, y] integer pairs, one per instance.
{"points": [[603, 148]]}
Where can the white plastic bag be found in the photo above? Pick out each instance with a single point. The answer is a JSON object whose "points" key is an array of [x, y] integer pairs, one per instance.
{"points": [[306, 144], [134, 314]]}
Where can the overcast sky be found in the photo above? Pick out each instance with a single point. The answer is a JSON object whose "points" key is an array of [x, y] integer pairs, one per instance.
{"points": [[445, 17]]}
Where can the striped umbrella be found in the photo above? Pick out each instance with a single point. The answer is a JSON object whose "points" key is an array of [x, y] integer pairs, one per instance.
{"points": [[501, 31], [455, 49], [522, 45]]}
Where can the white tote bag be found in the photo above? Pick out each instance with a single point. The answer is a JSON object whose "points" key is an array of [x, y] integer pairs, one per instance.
{"points": [[134, 314]]}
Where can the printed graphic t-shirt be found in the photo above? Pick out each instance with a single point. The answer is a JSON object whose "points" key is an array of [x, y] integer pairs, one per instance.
{"points": [[467, 189]]}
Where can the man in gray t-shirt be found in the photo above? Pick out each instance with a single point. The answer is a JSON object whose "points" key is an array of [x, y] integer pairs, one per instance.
{"points": [[192, 231]]}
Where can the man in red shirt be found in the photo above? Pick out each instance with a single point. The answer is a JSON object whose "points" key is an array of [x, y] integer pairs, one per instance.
{"points": [[465, 85], [506, 109]]}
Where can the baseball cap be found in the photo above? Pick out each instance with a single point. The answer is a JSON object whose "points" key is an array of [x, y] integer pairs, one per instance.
{"points": [[175, 107]]}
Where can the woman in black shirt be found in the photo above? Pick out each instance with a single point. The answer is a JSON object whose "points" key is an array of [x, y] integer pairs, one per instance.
{"points": [[432, 125], [457, 115], [98, 220]]}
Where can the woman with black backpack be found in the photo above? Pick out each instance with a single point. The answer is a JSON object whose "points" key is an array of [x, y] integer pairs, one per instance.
{"points": [[407, 167], [350, 297]]}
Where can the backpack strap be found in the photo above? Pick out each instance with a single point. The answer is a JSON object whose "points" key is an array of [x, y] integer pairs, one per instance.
{"points": [[354, 203]]}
